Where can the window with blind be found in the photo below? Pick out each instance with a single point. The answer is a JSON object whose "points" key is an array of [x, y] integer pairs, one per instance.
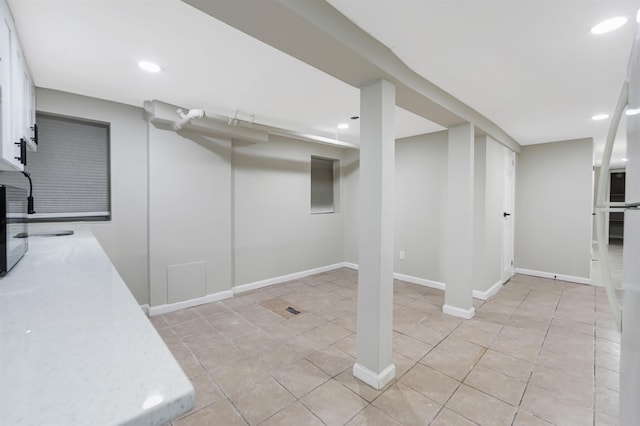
{"points": [[70, 170]]}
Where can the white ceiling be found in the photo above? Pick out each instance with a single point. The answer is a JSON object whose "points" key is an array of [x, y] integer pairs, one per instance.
{"points": [[531, 66]]}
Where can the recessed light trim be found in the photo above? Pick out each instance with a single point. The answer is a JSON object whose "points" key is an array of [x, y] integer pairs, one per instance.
{"points": [[343, 126], [608, 25], [149, 66], [599, 117]]}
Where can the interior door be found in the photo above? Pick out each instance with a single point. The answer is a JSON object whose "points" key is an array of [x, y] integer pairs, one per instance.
{"points": [[508, 228]]}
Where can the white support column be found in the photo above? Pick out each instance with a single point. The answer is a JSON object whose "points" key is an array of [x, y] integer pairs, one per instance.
{"points": [[374, 365], [459, 225], [480, 266]]}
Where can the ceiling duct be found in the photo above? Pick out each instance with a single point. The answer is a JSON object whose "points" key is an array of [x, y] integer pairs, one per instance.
{"points": [[172, 117]]}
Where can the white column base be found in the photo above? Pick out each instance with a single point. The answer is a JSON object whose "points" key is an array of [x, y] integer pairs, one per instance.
{"points": [[459, 312], [376, 381]]}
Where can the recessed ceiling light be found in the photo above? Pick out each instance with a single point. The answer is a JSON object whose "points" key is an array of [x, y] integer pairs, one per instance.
{"points": [[625, 160], [632, 111], [599, 117], [343, 126], [609, 25], [149, 66]]}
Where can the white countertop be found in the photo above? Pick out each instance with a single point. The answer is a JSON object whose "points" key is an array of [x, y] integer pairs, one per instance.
{"points": [[76, 348]]}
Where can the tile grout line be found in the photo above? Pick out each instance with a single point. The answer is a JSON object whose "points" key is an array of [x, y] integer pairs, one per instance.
{"points": [[460, 382], [526, 386], [533, 364], [563, 292], [397, 379]]}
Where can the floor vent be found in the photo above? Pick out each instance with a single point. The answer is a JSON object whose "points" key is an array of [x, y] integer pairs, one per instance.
{"points": [[281, 307]]}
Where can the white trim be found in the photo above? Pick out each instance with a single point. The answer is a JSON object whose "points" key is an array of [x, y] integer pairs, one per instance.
{"points": [[170, 307], [145, 309], [350, 265], [551, 275], [419, 281], [459, 312], [477, 294], [373, 379], [485, 295], [284, 278]]}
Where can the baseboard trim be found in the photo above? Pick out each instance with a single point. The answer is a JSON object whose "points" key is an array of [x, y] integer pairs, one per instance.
{"points": [[459, 312], [551, 275], [214, 297], [478, 294], [419, 281], [145, 309], [373, 379], [171, 307], [350, 265], [284, 278], [485, 295]]}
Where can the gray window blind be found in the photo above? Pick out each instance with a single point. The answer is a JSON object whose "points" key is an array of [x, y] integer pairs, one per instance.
{"points": [[70, 169]]}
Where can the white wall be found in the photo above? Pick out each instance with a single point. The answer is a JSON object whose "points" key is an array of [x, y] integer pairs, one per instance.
{"points": [[275, 233], [174, 206], [553, 208], [245, 211], [124, 238], [421, 184], [350, 203], [189, 216]]}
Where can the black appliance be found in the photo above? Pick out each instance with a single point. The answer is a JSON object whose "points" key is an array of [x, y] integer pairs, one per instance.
{"points": [[13, 229]]}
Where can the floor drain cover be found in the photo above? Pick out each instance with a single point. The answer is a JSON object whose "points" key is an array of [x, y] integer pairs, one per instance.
{"points": [[282, 307]]}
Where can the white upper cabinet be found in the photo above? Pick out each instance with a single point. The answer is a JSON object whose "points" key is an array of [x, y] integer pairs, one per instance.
{"points": [[17, 97]]}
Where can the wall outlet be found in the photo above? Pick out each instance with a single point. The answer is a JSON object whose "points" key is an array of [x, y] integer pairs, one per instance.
{"points": [[402, 255]]}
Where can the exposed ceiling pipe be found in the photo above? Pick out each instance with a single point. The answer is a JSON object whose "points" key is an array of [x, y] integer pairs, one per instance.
{"points": [[233, 121], [187, 118], [163, 115]]}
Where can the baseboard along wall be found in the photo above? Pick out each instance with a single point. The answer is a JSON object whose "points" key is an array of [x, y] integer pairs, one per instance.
{"points": [[214, 297]]}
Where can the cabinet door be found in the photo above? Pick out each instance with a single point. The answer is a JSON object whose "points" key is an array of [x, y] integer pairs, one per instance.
{"points": [[32, 111], [17, 98], [9, 151], [28, 106]]}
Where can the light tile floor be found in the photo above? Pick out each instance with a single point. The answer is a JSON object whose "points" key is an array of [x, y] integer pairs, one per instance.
{"points": [[614, 256], [541, 352]]}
